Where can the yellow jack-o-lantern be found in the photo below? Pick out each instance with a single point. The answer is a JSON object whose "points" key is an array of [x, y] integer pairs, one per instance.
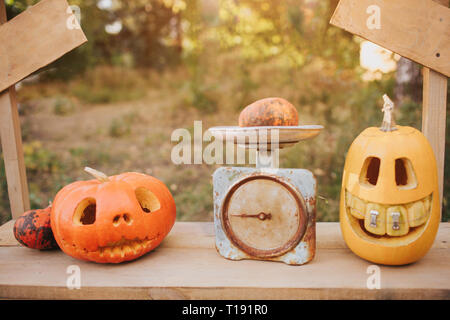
{"points": [[389, 208]]}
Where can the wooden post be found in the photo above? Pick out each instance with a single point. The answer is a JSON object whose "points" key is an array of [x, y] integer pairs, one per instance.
{"points": [[434, 114], [12, 146], [434, 117]]}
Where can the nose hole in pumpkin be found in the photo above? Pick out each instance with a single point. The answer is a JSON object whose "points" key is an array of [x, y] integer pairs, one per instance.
{"points": [[127, 218], [370, 171], [116, 220], [85, 212], [147, 199], [405, 178]]}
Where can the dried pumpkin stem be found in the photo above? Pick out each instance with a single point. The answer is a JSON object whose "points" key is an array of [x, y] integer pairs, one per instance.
{"points": [[100, 176], [388, 119]]}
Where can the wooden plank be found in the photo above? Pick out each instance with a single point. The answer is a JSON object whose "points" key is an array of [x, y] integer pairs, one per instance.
{"points": [[35, 38], [11, 137], [416, 29], [7, 238], [434, 115], [177, 270], [222, 293]]}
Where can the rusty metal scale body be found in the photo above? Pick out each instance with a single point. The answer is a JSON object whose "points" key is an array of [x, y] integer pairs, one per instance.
{"points": [[265, 213]]}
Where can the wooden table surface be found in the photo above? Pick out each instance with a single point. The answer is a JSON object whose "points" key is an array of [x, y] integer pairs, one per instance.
{"points": [[187, 266]]}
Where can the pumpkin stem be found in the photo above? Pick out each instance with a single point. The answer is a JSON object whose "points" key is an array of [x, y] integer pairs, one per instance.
{"points": [[388, 119], [100, 176]]}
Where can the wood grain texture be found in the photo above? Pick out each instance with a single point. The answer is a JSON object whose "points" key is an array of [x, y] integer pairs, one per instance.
{"points": [[434, 118], [416, 29], [11, 138], [187, 266], [35, 38], [434, 115], [7, 238]]}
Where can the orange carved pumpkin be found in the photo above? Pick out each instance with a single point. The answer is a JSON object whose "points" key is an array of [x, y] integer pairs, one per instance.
{"points": [[389, 211], [269, 112], [112, 219]]}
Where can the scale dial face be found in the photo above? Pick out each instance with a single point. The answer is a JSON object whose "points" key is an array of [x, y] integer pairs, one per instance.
{"points": [[264, 216]]}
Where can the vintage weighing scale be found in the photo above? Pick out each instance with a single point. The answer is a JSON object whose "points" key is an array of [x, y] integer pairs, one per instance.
{"points": [[265, 213]]}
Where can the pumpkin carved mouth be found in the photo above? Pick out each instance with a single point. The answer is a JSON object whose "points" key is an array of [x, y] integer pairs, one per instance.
{"points": [[388, 222], [118, 249]]}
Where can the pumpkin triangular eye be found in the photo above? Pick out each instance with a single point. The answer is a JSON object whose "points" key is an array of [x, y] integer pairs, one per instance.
{"points": [[147, 199], [370, 171], [405, 178], [85, 212]]}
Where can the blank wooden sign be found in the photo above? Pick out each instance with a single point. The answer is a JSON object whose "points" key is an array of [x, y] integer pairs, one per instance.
{"points": [[415, 29], [35, 38]]}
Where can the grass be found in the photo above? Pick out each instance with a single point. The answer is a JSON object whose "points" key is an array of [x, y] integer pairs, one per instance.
{"points": [[63, 106], [109, 85]]}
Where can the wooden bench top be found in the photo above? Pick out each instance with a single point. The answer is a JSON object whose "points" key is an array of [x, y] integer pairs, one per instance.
{"points": [[187, 266]]}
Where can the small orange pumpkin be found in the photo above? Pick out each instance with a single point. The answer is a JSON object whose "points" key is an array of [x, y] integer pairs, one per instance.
{"points": [[269, 112], [112, 219]]}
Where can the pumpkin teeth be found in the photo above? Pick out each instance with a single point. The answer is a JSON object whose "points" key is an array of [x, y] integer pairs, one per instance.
{"points": [[127, 249], [397, 226], [375, 219], [121, 248], [392, 220], [107, 251], [417, 213], [125, 246], [117, 251], [357, 207]]}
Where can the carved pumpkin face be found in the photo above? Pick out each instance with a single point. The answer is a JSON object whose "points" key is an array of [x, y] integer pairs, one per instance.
{"points": [[117, 219], [389, 210]]}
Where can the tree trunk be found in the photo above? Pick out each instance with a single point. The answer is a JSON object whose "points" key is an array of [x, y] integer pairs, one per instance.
{"points": [[408, 81]]}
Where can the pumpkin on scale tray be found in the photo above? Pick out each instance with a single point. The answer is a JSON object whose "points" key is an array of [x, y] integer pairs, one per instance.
{"points": [[269, 112], [112, 219]]}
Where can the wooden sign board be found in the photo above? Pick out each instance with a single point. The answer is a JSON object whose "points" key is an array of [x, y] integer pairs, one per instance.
{"points": [[416, 29], [35, 38]]}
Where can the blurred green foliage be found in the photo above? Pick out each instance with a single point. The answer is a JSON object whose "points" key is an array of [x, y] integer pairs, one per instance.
{"points": [[205, 59]]}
